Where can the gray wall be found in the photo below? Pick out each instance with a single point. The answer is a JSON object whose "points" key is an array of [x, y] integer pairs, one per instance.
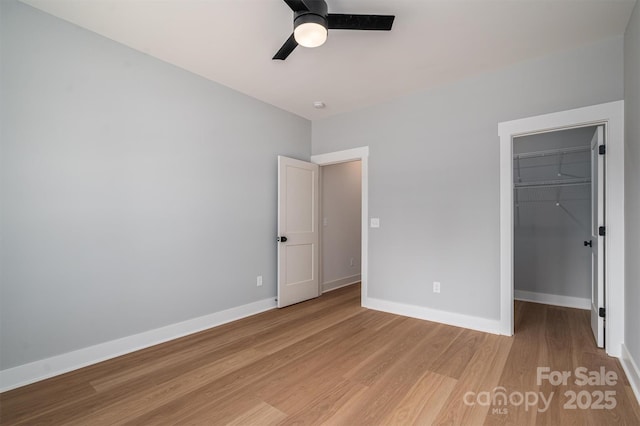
{"points": [[549, 255], [434, 172], [134, 194], [632, 183], [341, 230]]}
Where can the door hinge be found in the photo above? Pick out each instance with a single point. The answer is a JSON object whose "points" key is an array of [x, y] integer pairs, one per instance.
{"points": [[602, 312], [602, 149], [602, 231]]}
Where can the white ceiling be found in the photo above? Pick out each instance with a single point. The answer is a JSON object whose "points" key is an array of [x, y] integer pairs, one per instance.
{"points": [[432, 42]]}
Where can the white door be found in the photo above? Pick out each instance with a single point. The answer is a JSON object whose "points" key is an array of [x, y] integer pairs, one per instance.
{"points": [[298, 254], [597, 240]]}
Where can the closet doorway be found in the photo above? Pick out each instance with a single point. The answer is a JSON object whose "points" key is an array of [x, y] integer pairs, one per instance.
{"points": [[611, 116], [558, 206]]}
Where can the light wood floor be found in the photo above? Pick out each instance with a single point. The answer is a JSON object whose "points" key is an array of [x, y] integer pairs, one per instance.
{"points": [[331, 361]]}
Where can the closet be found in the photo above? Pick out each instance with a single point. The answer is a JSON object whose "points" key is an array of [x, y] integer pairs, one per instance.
{"points": [[552, 217]]}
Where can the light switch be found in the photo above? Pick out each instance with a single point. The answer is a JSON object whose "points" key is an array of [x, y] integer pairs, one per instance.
{"points": [[375, 222]]}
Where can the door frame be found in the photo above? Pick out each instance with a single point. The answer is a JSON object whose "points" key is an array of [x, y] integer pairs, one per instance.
{"points": [[598, 219], [611, 115], [355, 154]]}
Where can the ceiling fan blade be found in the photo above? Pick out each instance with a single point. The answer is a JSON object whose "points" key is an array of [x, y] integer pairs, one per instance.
{"points": [[297, 5], [286, 48], [339, 21]]}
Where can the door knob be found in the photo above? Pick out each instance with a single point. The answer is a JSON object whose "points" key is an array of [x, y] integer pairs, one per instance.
{"points": [[282, 239], [588, 243]]}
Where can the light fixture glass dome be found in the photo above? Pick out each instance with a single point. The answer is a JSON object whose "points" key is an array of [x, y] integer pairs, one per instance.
{"points": [[309, 30]]}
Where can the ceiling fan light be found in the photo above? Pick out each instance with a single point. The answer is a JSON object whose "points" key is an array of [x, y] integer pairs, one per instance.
{"points": [[310, 30]]}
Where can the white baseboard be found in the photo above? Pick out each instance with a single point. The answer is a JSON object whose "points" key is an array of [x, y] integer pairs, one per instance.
{"points": [[43, 369], [552, 299], [632, 371], [459, 320], [339, 283]]}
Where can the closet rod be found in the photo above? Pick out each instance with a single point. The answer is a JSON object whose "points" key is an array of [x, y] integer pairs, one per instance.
{"points": [[552, 152], [553, 183]]}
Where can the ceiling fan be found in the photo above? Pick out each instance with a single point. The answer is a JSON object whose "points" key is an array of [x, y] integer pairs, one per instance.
{"points": [[312, 20]]}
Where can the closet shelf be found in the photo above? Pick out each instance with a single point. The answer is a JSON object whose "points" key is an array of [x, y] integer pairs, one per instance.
{"points": [[559, 193], [552, 152], [552, 183]]}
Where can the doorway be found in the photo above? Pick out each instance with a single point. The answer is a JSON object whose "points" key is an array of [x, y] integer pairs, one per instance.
{"points": [[362, 155], [340, 225], [611, 117], [299, 215], [557, 205]]}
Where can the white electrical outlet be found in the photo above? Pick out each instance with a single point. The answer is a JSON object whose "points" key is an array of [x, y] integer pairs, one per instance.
{"points": [[375, 222], [259, 281], [351, 262], [436, 286]]}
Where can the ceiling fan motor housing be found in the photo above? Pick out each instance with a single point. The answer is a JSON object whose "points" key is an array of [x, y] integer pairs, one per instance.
{"points": [[316, 14], [309, 17]]}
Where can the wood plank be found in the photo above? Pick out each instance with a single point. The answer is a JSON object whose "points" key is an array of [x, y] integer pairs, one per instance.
{"points": [[325, 404], [262, 414], [454, 360], [380, 360], [482, 374], [423, 401], [522, 360], [559, 357], [630, 396]]}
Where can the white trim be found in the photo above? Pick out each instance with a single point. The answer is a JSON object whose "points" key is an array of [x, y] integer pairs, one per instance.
{"points": [[458, 320], [340, 282], [553, 299], [354, 154], [632, 371], [320, 230], [336, 157], [43, 369], [612, 116]]}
